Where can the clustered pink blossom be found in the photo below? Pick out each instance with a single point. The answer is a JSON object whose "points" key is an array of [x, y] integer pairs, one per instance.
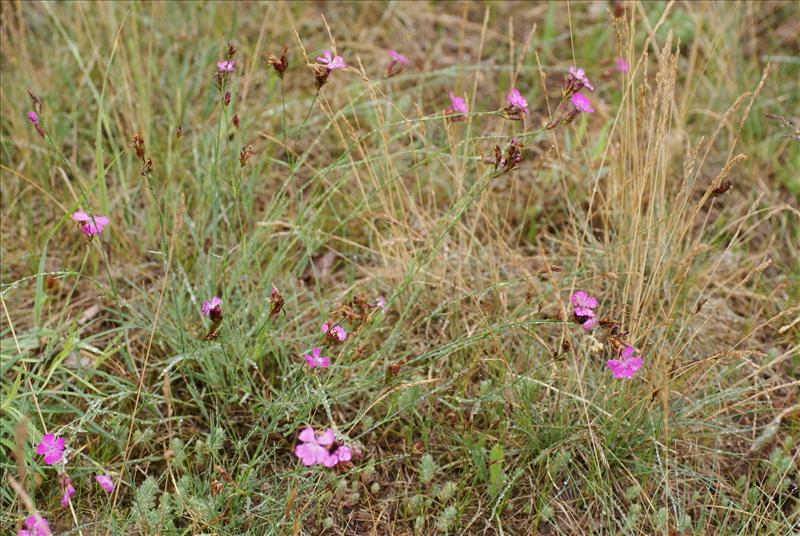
{"points": [[627, 364], [584, 309], [458, 105], [92, 225], [321, 448], [209, 306], [316, 359], [336, 331], [332, 62], [622, 65], [226, 66], [516, 100], [35, 527], [380, 303], [52, 448], [106, 482]]}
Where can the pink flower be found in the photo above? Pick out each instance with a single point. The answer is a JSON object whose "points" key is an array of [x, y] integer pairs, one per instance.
{"points": [[209, 306], [335, 62], [459, 104], [622, 65], [516, 100], [399, 58], [69, 491], [35, 528], [627, 364], [33, 117], [105, 482], [225, 66], [52, 448], [343, 454], [380, 303], [580, 75], [582, 103], [582, 300], [315, 359], [584, 309], [336, 331], [92, 225], [314, 447]]}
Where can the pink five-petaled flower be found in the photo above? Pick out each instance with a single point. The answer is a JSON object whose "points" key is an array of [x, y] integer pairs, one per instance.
{"points": [[399, 58], [580, 75], [52, 448], [210, 305], [336, 331], [459, 104], [627, 364], [226, 66], [582, 103], [35, 528], [622, 65], [106, 482], [584, 309], [92, 225], [316, 359], [314, 447], [69, 491], [333, 62], [516, 100]]}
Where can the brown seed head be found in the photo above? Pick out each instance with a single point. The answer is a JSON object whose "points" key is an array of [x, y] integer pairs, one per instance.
{"points": [[280, 64]]}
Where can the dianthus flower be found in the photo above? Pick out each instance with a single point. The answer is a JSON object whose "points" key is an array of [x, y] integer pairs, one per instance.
{"points": [[316, 359], [336, 331], [582, 103], [226, 66], [69, 490], [92, 225], [106, 482], [516, 100], [331, 61], [35, 528], [580, 77], [52, 448], [399, 58], [459, 104], [584, 309], [627, 364], [211, 305], [315, 449]]}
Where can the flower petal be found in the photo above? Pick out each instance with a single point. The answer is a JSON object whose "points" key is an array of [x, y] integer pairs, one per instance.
{"points": [[326, 438], [307, 435]]}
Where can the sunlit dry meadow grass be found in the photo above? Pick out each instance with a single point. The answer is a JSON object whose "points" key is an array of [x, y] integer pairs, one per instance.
{"points": [[474, 404]]}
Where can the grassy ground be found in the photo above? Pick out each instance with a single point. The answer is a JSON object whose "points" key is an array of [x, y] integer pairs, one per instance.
{"points": [[478, 407]]}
